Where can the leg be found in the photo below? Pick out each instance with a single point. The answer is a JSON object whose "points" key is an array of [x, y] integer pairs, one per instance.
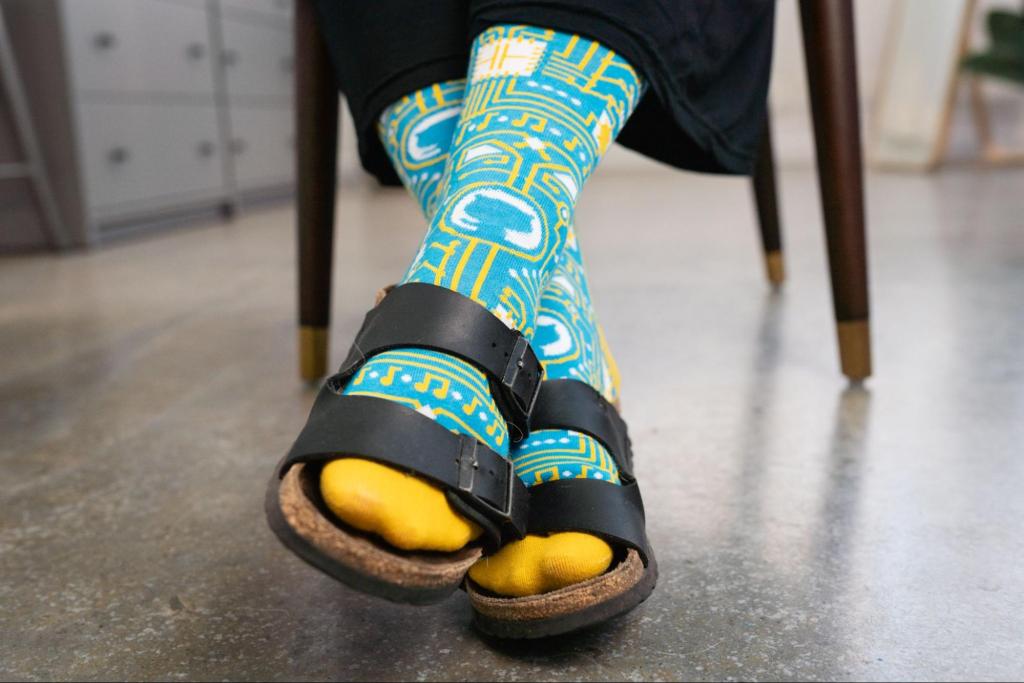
{"points": [[766, 198], [316, 107], [538, 112], [522, 138], [832, 77], [567, 340]]}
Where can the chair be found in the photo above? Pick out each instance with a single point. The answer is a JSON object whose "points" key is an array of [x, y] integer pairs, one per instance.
{"points": [[832, 78]]}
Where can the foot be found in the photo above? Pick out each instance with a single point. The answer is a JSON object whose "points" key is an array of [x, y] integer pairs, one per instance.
{"points": [[540, 564], [495, 238], [405, 511]]}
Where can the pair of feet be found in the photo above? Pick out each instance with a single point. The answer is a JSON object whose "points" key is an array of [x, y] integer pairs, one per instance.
{"points": [[413, 515], [571, 551], [407, 458], [496, 162]]}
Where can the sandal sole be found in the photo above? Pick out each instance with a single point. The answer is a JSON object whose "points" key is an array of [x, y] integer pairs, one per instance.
{"points": [[569, 609], [357, 561]]}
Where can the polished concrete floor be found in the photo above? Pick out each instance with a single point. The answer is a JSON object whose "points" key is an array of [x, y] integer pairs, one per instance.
{"points": [[805, 528]]}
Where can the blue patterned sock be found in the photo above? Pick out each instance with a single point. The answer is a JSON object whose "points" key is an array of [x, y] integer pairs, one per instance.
{"points": [[417, 133], [540, 109], [568, 341]]}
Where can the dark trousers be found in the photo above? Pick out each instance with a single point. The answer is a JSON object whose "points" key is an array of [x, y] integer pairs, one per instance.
{"points": [[706, 64]]}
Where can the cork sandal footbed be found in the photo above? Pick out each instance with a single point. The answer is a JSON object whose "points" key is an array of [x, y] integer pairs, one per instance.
{"points": [[298, 517], [572, 608]]}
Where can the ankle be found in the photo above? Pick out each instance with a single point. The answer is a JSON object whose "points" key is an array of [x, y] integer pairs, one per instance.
{"points": [[449, 390], [552, 454]]}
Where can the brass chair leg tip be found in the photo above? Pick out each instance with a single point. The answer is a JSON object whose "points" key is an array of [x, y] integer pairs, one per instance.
{"points": [[312, 352], [775, 267], [855, 349]]}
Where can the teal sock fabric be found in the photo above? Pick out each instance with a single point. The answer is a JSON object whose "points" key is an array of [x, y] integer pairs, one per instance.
{"points": [[568, 343], [417, 133], [539, 110]]}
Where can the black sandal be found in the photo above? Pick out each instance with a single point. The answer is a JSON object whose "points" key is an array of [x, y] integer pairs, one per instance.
{"points": [[479, 483], [614, 513]]}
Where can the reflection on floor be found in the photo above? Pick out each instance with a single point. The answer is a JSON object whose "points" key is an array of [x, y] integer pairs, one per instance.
{"points": [[804, 528]]}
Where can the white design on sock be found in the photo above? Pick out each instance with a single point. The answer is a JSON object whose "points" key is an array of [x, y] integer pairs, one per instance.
{"points": [[481, 150], [562, 344], [463, 219], [570, 184], [508, 57], [430, 150], [563, 282], [535, 144]]}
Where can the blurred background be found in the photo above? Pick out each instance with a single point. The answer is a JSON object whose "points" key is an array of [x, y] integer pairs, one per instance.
{"points": [[807, 527], [120, 117]]}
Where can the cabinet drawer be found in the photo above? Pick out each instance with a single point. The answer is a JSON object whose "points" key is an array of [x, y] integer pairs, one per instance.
{"points": [[275, 8], [257, 60], [141, 153], [191, 4], [140, 46], [262, 146]]}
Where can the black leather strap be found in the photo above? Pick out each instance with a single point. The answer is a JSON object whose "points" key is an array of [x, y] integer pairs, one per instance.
{"points": [[615, 513], [481, 481], [571, 404], [425, 316]]}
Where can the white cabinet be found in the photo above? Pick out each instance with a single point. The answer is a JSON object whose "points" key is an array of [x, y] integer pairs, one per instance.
{"points": [[257, 59], [262, 145], [258, 64], [127, 165], [142, 46], [280, 8], [151, 111]]}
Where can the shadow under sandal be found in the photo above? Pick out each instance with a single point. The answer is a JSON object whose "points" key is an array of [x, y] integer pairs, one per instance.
{"points": [[614, 513], [478, 482]]}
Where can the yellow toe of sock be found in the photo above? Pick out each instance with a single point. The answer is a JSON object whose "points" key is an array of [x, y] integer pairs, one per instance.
{"points": [[539, 564], [405, 511]]}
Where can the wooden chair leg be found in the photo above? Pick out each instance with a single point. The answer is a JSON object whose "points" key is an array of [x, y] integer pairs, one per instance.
{"points": [[316, 120], [829, 52], [766, 199]]}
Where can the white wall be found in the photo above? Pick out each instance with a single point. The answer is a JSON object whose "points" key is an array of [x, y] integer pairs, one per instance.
{"points": [[794, 143], [790, 108], [788, 96]]}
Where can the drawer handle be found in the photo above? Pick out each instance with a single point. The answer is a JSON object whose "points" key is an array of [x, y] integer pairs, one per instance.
{"points": [[118, 155], [238, 146], [229, 57], [205, 149], [104, 40], [195, 51]]}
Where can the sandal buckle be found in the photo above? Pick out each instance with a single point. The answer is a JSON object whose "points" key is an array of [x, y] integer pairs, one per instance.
{"points": [[513, 370], [506, 516], [467, 463]]}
